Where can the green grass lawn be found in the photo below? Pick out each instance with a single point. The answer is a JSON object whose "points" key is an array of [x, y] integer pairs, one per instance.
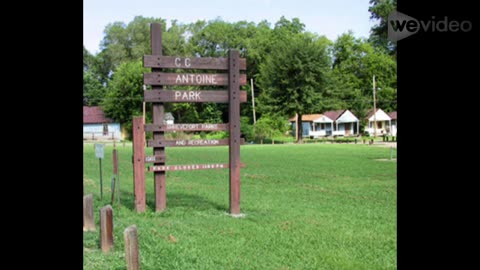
{"points": [[311, 206]]}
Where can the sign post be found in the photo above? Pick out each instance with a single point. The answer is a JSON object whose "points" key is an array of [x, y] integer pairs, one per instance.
{"points": [[99, 153], [158, 79]]}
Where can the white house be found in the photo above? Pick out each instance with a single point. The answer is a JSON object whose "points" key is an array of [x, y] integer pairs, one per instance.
{"points": [[97, 127], [168, 118], [383, 122], [393, 121], [331, 123], [336, 123]]}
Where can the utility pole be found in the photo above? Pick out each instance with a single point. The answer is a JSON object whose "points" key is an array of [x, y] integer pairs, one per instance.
{"points": [[253, 103], [374, 110]]}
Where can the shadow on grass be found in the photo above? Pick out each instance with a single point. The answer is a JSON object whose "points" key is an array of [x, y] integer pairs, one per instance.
{"points": [[174, 200]]}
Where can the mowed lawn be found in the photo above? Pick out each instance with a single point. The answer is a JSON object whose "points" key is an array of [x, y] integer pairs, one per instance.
{"points": [[310, 206]]}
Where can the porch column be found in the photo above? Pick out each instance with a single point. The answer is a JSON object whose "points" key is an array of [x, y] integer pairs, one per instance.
{"points": [[358, 127]]}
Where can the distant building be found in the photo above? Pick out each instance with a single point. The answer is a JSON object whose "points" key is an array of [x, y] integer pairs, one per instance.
{"points": [[393, 116], [98, 127], [331, 123], [383, 122], [168, 119]]}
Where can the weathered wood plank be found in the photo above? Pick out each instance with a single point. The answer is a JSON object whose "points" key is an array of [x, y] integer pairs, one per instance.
{"points": [[139, 164], [163, 78], [187, 127], [189, 167], [158, 114], [154, 159], [219, 63], [181, 143], [218, 96]]}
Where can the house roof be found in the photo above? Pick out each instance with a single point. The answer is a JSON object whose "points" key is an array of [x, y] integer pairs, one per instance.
{"points": [[370, 113], [379, 114], [306, 117], [393, 115], [94, 115], [334, 115], [168, 116]]}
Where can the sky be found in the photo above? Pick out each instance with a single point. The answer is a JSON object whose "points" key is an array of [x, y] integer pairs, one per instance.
{"points": [[323, 17]]}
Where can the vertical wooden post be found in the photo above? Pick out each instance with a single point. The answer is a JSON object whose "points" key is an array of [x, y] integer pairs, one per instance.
{"points": [[115, 161], [131, 248], [158, 114], [88, 218], [115, 172], [139, 163], [234, 128], [106, 228]]}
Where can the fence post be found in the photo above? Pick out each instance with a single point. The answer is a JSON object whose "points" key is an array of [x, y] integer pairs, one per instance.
{"points": [[88, 218], [106, 228], [139, 164], [131, 248]]}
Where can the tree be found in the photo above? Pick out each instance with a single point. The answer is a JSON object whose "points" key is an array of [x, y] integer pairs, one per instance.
{"points": [[355, 63], [124, 96], [269, 126], [293, 76], [379, 10], [93, 91]]}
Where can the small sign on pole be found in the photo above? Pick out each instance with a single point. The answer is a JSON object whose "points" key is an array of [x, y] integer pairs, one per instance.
{"points": [[99, 153], [99, 150]]}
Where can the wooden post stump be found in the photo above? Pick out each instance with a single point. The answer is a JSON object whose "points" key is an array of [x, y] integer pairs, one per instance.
{"points": [[88, 218], [131, 248], [106, 228]]}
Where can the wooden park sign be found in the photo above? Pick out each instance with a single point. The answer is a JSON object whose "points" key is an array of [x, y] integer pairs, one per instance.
{"points": [[158, 79]]}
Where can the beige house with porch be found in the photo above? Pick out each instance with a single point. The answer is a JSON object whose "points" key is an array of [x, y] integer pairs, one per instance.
{"points": [[378, 122]]}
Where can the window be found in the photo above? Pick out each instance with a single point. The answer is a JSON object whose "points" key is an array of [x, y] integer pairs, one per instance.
{"points": [[322, 126], [105, 129], [379, 124]]}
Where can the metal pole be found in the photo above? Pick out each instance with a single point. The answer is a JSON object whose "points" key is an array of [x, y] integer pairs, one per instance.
{"points": [[374, 110], [101, 180]]}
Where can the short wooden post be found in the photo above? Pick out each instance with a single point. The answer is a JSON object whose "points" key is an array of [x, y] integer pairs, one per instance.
{"points": [[88, 218], [106, 228], [131, 248]]}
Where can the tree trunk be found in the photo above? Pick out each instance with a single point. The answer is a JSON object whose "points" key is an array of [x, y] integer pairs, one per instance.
{"points": [[299, 128]]}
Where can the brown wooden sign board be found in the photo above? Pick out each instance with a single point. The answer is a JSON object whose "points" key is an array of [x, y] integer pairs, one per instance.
{"points": [[158, 61], [162, 78], [189, 167], [155, 159], [218, 96], [181, 143], [158, 79], [186, 127]]}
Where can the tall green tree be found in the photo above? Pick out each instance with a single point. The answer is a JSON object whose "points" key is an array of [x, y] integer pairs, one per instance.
{"points": [[124, 96], [379, 10], [355, 63], [93, 89], [293, 77]]}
